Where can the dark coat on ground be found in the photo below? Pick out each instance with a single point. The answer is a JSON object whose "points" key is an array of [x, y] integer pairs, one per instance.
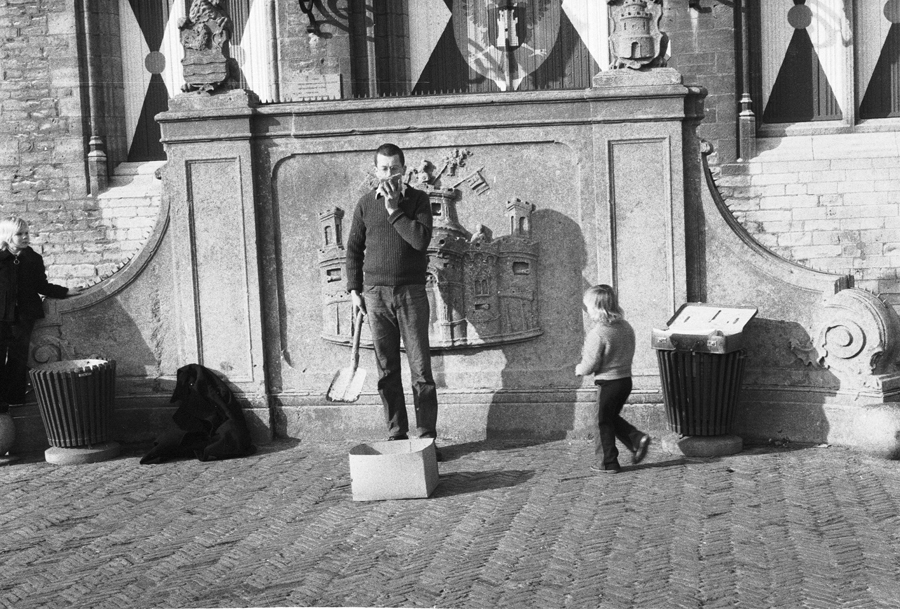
{"points": [[22, 284], [210, 422]]}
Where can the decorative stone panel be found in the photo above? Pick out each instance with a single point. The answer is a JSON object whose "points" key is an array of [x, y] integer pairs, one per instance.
{"points": [[482, 290]]}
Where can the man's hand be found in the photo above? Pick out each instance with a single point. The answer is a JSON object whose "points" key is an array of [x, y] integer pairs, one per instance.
{"points": [[390, 190], [358, 301]]}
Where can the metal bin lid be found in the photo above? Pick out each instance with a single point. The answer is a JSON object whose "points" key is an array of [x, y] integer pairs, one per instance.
{"points": [[702, 319]]}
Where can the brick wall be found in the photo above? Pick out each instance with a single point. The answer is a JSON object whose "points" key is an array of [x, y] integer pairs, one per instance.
{"points": [[42, 141], [703, 50], [830, 202]]}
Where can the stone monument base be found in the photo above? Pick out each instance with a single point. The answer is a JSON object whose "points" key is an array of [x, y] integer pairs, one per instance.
{"points": [[81, 455], [702, 446]]}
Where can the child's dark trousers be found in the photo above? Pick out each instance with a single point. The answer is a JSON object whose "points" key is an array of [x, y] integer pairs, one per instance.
{"points": [[611, 397], [14, 341]]}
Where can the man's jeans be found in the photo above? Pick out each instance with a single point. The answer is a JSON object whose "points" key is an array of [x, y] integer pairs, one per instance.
{"points": [[395, 312]]}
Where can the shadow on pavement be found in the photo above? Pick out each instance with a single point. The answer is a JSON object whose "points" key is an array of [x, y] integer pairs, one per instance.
{"points": [[779, 447], [460, 483], [449, 452], [631, 469], [277, 445]]}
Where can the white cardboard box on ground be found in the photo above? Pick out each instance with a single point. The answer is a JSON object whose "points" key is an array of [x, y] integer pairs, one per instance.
{"points": [[399, 469]]}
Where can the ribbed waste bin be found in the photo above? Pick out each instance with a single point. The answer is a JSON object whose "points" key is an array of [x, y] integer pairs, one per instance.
{"points": [[76, 400], [701, 366]]}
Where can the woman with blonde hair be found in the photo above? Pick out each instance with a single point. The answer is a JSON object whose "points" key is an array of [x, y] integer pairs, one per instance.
{"points": [[22, 281], [607, 354]]}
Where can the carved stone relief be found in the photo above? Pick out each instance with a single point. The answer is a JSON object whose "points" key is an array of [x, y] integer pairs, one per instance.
{"points": [[636, 40], [857, 337], [205, 33], [482, 290]]}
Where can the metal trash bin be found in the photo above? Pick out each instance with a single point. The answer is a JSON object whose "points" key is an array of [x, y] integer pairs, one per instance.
{"points": [[701, 365], [76, 400]]}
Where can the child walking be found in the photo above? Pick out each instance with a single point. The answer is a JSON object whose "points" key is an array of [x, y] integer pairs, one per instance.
{"points": [[22, 279], [607, 354]]}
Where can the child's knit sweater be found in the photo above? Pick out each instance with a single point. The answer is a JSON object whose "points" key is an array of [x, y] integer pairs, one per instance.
{"points": [[608, 351]]}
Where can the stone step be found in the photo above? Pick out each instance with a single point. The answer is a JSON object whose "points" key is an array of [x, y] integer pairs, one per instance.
{"points": [[134, 181], [139, 168]]}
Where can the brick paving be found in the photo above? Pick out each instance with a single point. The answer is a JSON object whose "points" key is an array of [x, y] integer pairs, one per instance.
{"points": [[511, 525]]}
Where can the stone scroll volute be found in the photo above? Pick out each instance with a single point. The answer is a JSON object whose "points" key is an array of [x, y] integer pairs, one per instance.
{"points": [[857, 337]]}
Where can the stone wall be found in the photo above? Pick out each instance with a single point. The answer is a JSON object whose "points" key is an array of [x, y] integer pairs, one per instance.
{"points": [[45, 126], [702, 43], [830, 202], [832, 212]]}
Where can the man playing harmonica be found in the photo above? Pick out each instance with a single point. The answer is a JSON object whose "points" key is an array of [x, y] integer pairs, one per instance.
{"points": [[387, 260]]}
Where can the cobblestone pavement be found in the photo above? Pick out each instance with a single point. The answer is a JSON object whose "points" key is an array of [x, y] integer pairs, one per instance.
{"points": [[511, 525]]}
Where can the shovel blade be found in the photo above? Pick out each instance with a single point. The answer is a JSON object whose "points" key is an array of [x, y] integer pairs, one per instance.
{"points": [[346, 385]]}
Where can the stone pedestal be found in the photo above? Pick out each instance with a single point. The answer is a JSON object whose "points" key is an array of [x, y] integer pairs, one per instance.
{"points": [[702, 446], [82, 455], [209, 179]]}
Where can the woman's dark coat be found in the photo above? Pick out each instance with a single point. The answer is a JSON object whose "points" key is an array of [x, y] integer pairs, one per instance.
{"points": [[21, 285]]}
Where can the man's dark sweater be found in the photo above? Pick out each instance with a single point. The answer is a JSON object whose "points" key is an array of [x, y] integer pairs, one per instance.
{"points": [[390, 249]]}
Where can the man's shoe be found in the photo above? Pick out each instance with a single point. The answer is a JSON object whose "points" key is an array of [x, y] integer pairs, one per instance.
{"points": [[600, 469], [641, 451], [400, 437]]}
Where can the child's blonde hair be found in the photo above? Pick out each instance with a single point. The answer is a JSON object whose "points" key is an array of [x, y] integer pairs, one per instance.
{"points": [[9, 227], [603, 304]]}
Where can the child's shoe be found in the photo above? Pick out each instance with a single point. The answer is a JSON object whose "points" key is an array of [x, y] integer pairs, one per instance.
{"points": [[641, 451]]}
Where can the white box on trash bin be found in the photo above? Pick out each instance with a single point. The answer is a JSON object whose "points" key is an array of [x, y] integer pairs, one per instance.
{"points": [[399, 469]]}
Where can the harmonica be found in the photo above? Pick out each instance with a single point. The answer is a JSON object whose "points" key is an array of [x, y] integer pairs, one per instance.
{"points": [[394, 179]]}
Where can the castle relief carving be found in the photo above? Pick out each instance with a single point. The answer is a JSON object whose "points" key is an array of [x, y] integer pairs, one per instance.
{"points": [[636, 41], [482, 289]]}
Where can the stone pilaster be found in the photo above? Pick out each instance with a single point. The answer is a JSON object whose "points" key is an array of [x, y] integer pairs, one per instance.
{"points": [[209, 179]]}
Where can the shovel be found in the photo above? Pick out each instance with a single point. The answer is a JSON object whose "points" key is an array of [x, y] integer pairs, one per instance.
{"points": [[348, 382]]}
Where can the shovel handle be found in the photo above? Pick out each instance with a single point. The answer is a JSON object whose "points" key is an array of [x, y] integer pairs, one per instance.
{"points": [[357, 330]]}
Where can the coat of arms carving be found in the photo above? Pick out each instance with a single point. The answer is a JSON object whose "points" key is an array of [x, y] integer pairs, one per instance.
{"points": [[499, 40], [483, 290], [205, 34], [636, 40]]}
